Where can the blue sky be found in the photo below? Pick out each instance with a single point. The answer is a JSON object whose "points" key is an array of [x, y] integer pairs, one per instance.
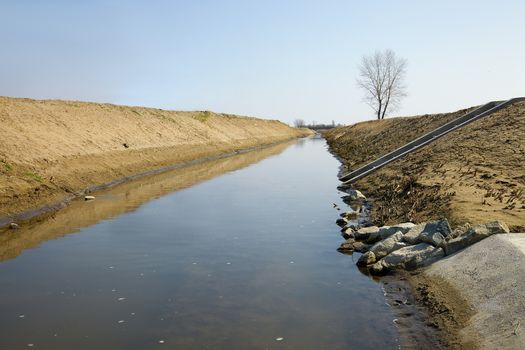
{"points": [[282, 59]]}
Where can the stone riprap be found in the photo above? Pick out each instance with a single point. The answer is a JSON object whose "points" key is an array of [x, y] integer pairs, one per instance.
{"points": [[409, 246]]}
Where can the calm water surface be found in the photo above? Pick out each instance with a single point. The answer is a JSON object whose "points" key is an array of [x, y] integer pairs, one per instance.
{"points": [[193, 259]]}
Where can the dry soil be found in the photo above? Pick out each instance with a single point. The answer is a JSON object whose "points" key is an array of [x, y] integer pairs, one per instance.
{"points": [[474, 174]]}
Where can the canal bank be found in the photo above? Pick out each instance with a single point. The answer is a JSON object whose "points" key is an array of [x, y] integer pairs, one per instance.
{"points": [[52, 151], [244, 259]]}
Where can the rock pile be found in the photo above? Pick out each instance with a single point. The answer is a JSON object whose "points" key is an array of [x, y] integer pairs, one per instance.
{"points": [[409, 246]]}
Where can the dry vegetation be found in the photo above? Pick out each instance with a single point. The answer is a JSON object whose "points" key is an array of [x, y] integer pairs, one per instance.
{"points": [[474, 174], [50, 149]]}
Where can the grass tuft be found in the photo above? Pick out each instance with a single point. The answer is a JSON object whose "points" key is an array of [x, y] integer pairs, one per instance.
{"points": [[202, 116], [34, 176]]}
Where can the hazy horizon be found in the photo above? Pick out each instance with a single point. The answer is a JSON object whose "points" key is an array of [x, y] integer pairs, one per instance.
{"points": [[275, 59]]}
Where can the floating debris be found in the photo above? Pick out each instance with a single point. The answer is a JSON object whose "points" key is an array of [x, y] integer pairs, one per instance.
{"points": [[121, 299], [161, 341], [228, 263], [14, 226], [21, 316], [89, 198], [121, 321], [279, 339]]}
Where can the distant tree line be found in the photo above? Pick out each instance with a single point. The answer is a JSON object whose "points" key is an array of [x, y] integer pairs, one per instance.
{"points": [[300, 123]]}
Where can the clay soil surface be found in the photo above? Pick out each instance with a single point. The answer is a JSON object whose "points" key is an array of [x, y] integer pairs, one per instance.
{"points": [[51, 149], [475, 174]]}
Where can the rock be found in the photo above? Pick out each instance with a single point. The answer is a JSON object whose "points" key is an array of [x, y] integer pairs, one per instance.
{"points": [[436, 238], [408, 258], [441, 226], [361, 247], [341, 222], [364, 233], [89, 198], [353, 195], [399, 245], [366, 259], [412, 236], [387, 231], [474, 235], [386, 246], [347, 245], [347, 233], [14, 226], [458, 231], [377, 268], [495, 227], [352, 226], [349, 215]]}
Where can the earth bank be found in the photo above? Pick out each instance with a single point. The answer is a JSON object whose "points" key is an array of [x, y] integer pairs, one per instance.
{"points": [[50, 150], [474, 174]]}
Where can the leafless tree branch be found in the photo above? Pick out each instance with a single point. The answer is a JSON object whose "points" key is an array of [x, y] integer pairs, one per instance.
{"points": [[382, 76]]}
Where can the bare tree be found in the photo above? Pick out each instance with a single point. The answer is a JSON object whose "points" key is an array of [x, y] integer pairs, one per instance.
{"points": [[298, 123], [382, 77]]}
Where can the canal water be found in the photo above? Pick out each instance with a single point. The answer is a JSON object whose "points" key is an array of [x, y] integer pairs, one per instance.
{"points": [[237, 253]]}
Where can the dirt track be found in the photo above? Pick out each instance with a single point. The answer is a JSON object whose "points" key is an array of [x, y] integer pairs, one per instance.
{"points": [[50, 149], [475, 174]]}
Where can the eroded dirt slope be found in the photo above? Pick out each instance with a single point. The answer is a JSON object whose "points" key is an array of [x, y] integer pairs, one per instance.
{"points": [[474, 174]]}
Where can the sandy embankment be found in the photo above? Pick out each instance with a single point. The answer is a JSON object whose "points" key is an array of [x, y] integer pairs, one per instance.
{"points": [[473, 175], [52, 149]]}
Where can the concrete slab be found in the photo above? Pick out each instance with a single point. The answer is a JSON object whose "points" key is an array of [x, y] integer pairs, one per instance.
{"points": [[490, 275]]}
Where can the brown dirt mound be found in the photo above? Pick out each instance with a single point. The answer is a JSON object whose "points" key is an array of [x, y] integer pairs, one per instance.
{"points": [[474, 174], [50, 149]]}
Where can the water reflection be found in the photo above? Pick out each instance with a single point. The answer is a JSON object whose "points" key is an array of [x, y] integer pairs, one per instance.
{"points": [[123, 198]]}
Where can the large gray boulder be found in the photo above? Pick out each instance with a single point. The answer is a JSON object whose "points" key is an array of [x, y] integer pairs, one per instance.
{"points": [[413, 236], [387, 231], [388, 245], [474, 235], [408, 258], [364, 233]]}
